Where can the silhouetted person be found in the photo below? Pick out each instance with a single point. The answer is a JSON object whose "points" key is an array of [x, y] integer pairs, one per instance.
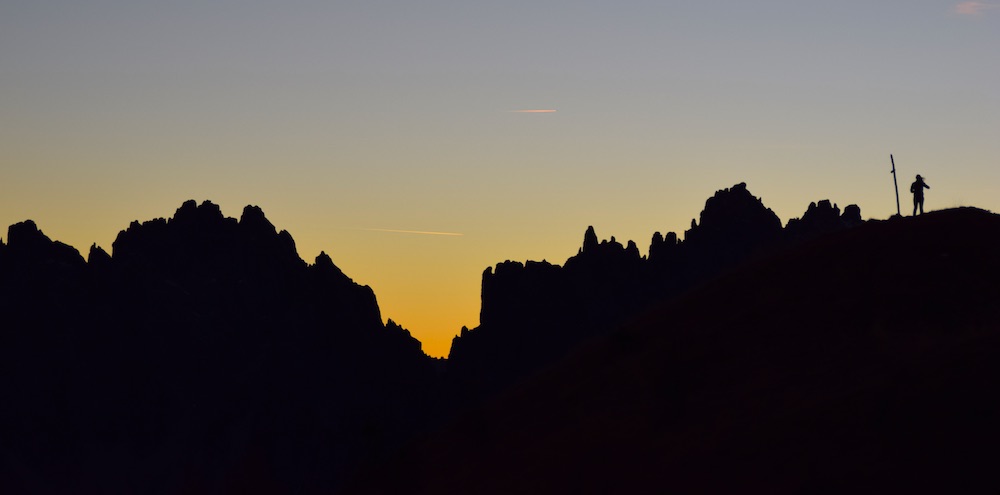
{"points": [[918, 194]]}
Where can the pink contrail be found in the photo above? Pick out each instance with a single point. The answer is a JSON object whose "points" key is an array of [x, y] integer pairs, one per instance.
{"points": [[413, 232], [973, 8]]}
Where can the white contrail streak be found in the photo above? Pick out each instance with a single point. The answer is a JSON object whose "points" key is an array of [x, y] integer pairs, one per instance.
{"points": [[421, 232]]}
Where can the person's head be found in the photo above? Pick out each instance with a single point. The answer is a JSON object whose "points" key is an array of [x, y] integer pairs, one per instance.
{"points": [[919, 177]]}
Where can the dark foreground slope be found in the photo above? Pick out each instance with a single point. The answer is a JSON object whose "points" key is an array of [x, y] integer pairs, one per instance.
{"points": [[865, 361]]}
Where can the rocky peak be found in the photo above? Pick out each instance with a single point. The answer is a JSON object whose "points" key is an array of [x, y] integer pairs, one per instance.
{"points": [[323, 261], [27, 242], [192, 213], [822, 217], [631, 250], [253, 219], [199, 238], [98, 256], [822, 211], [589, 240], [852, 216], [734, 217], [661, 247], [26, 235], [324, 265], [594, 251], [728, 207]]}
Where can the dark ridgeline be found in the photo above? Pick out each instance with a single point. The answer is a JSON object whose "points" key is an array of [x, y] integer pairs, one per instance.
{"points": [[203, 356], [859, 361], [534, 313]]}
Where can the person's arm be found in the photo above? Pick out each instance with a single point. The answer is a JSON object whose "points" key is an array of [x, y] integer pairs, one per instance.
{"points": [[926, 186]]}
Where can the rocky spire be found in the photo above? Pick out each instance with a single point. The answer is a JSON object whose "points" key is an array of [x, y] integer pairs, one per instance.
{"points": [[253, 219], [589, 240], [822, 217], [98, 256]]}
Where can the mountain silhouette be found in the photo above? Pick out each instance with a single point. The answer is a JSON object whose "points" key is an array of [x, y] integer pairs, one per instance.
{"points": [[201, 356], [534, 313], [863, 360]]}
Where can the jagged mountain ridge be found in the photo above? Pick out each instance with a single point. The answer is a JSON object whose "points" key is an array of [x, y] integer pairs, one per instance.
{"points": [[858, 361], [205, 354], [534, 313], [201, 356]]}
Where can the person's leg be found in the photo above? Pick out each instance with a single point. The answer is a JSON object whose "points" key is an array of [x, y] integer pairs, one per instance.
{"points": [[921, 206], [915, 202]]}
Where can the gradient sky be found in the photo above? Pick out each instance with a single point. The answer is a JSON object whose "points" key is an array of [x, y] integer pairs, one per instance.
{"points": [[350, 121]]}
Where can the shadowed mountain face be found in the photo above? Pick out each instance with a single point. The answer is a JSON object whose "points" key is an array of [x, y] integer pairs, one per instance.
{"points": [[859, 361], [534, 313], [202, 356]]}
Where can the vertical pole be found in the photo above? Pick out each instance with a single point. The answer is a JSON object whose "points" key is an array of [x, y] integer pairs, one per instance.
{"points": [[895, 184]]}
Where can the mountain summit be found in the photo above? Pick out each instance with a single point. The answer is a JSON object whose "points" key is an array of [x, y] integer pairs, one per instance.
{"points": [[534, 313], [862, 360], [201, 356], [204, 356]]}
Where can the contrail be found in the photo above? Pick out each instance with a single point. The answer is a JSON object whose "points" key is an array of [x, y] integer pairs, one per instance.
{"points": [[974, 8], [533, 111], [421, 232]]}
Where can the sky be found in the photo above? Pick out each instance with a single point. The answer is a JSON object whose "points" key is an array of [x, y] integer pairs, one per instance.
{"points": [[365, 128]]}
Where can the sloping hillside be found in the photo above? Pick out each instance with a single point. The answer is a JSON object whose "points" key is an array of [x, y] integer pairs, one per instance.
{"points": [[864, 361]]}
